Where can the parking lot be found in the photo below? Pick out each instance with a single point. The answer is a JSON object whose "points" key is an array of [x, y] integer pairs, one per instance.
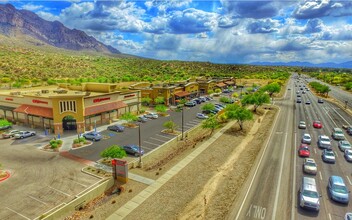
{"points": [[39, 180], [151, 135]]}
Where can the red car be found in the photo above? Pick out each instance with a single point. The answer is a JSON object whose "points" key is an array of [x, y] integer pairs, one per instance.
{"points": [[317, 124], [303, 150]]}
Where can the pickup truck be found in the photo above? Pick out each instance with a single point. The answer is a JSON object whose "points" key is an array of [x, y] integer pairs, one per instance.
{"points": [[24, 134]]}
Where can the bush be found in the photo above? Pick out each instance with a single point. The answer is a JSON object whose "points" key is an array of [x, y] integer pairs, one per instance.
{"points": [[82, 139], [76, 141], [59, 142], [54, 145], [113, 151]]}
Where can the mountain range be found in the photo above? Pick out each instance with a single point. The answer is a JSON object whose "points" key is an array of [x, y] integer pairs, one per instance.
{"points": [[21, 23], [345, 65]]}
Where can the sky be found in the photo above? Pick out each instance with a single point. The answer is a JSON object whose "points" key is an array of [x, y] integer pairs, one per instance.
{"points": [[225, 31]]}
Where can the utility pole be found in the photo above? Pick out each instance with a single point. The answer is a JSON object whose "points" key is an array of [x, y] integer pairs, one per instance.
{"points": [[183, 108], [140, 146]]}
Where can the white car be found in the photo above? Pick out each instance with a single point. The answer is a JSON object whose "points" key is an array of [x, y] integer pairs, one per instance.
{"points": [[344, 145], [309, 166], [152, 115], [24, 134], [348, 155], [302, 125], [201, 116], [324, 142], [306, 139]]}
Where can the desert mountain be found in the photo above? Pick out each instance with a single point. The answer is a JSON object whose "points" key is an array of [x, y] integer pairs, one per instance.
{"points": [[18, 23]]}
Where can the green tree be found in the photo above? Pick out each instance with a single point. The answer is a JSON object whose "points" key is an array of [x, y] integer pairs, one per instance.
{"points": [[217, 90], [4, 122], [235, 95], [208, 107], [210, 91], [272, 88], [146, 100], [170, 125], [211, 123], [159, 100], [113, 151], [236, 112], [160, 108], [128, 116], [225, 99], [257, 99]]}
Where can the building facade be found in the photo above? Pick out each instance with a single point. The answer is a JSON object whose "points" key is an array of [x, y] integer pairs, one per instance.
{"points": [[77, 108]]}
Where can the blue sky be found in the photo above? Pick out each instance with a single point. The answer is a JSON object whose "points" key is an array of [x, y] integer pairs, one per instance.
{"points": [[225, 31]]}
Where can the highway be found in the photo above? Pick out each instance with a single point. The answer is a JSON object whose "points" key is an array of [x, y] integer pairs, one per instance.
{"points": [[271, 190]]}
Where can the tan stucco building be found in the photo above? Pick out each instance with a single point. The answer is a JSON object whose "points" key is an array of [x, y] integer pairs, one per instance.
{"points": [[68, 107]]}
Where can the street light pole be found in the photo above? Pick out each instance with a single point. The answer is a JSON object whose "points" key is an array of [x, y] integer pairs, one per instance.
{"points": [[139, 145], [182, 120]]}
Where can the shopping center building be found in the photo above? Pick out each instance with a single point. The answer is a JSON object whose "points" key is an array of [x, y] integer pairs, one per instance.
{"points": [[68, 107]]}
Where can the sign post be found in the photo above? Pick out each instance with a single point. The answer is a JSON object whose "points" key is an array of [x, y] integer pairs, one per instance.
{"points": [[120, 170]]}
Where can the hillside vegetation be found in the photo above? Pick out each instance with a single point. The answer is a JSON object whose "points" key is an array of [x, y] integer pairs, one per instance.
{"points": [[30, 66]]}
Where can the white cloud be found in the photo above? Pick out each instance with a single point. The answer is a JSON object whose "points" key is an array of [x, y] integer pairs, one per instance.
{"points": [[32, 7]]}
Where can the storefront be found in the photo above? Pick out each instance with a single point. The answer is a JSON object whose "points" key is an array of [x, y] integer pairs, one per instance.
{"points": [[64, 110]]}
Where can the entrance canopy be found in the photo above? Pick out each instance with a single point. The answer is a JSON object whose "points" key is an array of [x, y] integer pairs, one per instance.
{"points": [[104, 108], [181, 94], [35, 110]]}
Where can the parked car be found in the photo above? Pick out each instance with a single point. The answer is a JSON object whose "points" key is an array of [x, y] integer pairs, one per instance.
{"points": [[317, 124], [142, 119], [203, 99], [306, 138], [151, 115], [348, 155], [10, 134], [302, 125], [348, 216], [309, 166], [337, 134], [93, 135], [324, 142], [5, 127], [338, 190], [118, 128], [133, 150], [190, 104], [197, 100], [24, 134], [201, 116], [226, 91], [328, 156], [308, 194], [220, 105], [349, 130], [320, 101], [344, 145], [303, 150]]}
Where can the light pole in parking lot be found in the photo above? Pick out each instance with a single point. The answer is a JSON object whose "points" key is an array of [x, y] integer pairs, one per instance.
{"points": [[139, 146], [183, 108]]}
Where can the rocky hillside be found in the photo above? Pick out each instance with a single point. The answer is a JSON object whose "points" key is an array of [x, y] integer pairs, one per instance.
{"points": [[16, 23]]}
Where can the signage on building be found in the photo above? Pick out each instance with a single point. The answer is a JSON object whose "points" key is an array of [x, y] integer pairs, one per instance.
{"points": [[128, 96], [120, 170], [9, 99], [100, 99], [39, 101]]}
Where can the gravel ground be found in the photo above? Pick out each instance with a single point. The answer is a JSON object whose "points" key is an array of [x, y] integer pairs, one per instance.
{"points": [[205, 189]]}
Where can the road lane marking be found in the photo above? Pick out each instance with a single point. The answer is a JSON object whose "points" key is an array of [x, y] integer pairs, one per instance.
{"points": [[151, 143], [321, 177], [327, 113], [38, 200], [341, 117], [349, 180], [59, 191], [18, 213], [162, 141], [279, 181], [257, 168], [163, 136]]}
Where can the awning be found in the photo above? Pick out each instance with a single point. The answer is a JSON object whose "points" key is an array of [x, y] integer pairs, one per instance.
{"points": [[230, 83], [35, 110], [7, 108], [181, 94], [104, 108], [221, 84]]}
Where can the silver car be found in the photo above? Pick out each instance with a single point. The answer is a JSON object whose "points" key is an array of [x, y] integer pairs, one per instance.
{"points": [[348, 155], [344, 145], [302, 125], [337, 134], [309, 166], [306, 138], [324, 142], [308, 194], [328, 156]]}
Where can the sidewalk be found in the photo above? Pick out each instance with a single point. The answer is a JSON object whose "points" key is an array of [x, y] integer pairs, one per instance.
{"points": [[131, 205]]}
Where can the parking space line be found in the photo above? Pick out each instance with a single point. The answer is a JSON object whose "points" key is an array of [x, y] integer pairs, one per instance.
{"points": [[148, 148], [37, 200], [151, 143], [349, 180], [315, 151], [168, 137], [321, 177], [336, 154], [192, 123], [18, 213], [329, 216], [79, 183], [59, 191], [162, 141]]}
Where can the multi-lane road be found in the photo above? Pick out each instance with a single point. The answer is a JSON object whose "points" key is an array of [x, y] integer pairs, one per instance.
{"points": [[271, 191]]}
